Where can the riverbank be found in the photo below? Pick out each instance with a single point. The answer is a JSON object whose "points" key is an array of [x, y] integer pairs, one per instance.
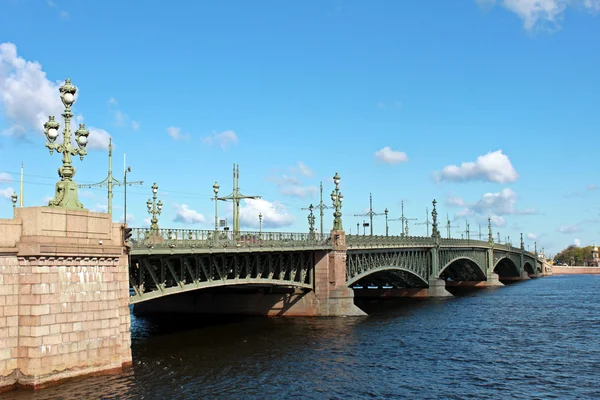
{"points": [[558, 270]]}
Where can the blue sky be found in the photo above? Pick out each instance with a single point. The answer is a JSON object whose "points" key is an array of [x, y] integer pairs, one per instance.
{"points": [[490, 107]]}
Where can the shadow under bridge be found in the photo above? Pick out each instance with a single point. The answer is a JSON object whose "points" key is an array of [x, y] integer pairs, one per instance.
{"points": [[157, 275]]}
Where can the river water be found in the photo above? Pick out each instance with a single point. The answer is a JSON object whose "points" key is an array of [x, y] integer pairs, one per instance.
{"points": [[532, 339]]}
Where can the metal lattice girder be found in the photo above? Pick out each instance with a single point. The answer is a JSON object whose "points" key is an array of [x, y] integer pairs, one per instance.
{"points": [[515, 258], [477, 256], [362, 263], [153, 276]]}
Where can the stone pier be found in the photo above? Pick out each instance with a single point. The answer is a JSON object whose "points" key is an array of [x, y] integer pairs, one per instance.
{"points": [[64, 292]]}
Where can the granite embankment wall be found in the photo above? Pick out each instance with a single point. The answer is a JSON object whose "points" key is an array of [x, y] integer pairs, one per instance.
{"points": [[64, 297], [557, 270]]}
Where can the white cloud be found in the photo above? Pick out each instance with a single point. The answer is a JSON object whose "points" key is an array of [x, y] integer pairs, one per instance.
{"points": [[302, 169], [534, 12], [495, 205], [101, 208], [26, 96], [592, 186], [298, 191], [291, 185], [497, 221], [64, 15], [5, 177], [6, 193], [185, 215], [146, 223], [98, 139], [577, 242], [388, 156], [275, 215], [121, 119], [223, 139], [532, 236], [175, 133], [130, 219], [569, 228], [492, 167], [455, 201]]}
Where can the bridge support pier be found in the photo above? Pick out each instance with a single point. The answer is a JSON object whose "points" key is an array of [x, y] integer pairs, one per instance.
{"points": [[493, 280], [524, 275], [437, 288], [63, 297]]}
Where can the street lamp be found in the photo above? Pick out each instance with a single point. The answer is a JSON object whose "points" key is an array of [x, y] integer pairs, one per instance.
{"points": [[386, 221], [216, 190], [66, 190], [14, 198], [311, 221], [154, 208], [337, 197], [260, 224]]}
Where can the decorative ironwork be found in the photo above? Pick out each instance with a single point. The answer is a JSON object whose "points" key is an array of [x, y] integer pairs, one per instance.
{"points": [[147, 241], [154, 208], [435, 233], [157, 276], [448, 256], [363, 263], [66, 189]]}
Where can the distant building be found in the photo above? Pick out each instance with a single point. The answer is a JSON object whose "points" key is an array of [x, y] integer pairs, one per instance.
{"points": [[595, 261]]}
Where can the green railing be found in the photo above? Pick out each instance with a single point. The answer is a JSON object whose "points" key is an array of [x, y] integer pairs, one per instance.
{"points": [[143, 238]]}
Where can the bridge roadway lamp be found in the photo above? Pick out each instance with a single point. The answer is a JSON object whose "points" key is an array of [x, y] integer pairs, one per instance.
{"points": [[154, 208], [337, 197], [216, 190], [66, 189]]}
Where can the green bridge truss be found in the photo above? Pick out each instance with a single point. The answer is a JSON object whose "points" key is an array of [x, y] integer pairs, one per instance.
{"points": [[176, 260]]}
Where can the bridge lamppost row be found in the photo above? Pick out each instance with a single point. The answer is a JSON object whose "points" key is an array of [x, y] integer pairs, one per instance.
{"points": [[336, 198], [66, 190], [13, 198], [260, 224], [154, 208], [216, 190]]}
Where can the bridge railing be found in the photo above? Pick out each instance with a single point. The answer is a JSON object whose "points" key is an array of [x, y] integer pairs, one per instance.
{"points": [[353, 241], [142, 238]]}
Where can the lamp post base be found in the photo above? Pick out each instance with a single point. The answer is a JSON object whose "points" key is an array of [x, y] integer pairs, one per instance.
{"points": [[66, 196]]}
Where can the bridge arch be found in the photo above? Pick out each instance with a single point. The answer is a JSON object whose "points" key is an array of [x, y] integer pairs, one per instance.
{"points": [[463, 268], [529, 268], [505, 267], [389, 275]]}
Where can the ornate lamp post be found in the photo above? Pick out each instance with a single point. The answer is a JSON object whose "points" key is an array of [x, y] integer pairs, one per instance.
{"points": [[216, 190], [386, 221], [490, 234], [522, 244], [311, 221], [435, 233], [260, 224], [336, 198], [66, 189], [154, 208], [14, 198]]}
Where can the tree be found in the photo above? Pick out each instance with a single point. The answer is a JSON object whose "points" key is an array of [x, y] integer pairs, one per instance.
{"points": [[574, 255]]}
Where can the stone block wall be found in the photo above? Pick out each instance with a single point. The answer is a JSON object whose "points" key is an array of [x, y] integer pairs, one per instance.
{"points": [[64, 286]]}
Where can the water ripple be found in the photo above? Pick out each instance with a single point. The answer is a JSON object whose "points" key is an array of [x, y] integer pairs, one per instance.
{"points": [[531, 340]]}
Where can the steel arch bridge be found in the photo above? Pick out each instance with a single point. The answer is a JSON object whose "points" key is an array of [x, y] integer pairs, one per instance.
{"points": [[175, 261]]}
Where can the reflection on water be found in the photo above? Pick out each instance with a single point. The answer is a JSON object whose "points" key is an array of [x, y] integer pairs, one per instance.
{"points": [[535, 339]]}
